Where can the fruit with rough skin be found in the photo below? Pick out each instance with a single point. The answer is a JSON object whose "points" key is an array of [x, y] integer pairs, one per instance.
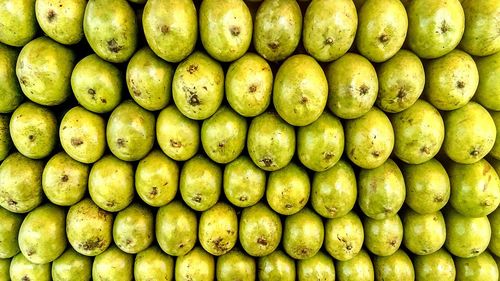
{"points": [[288, 189]]}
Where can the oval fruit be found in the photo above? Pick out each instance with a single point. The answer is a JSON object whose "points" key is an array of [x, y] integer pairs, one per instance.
{"points": [[176, 228], [218, 229]]}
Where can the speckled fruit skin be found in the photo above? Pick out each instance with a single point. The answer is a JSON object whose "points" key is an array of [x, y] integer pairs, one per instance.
{"points": [[61, 20], [303, 234], [133, 228], [319, 266], [113, 264], [488, 93], [218, 229], [18, 21], [344, 236], [438, 264], [383, 237], [235, 265], [276, 266], [359, 268]]}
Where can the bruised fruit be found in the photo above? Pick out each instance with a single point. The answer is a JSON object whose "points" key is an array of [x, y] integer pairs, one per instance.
{"points": [[133, 228], [218, 229], [358, 268], [61, 20], [176, 228], [276, 266], [21, 269], [12, 96], [480, 268], [235, 265], [481, 37], [383, 237], [288, 189], [153, 263], [9, 230], [303, 234], [488, 92], [438, 265], [423, 234], [18, 22], [344, 236], [396, 267], [197, 265], [243, 182], [72, 266], [112, 264]]}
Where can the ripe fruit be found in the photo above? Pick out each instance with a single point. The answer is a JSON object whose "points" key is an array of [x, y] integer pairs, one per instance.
{"points": [[195, 265], [303, 234], [9, 230], [112, 264], [72, 266], [12, 95], [359, 268], [153, 263], [396, 267], [276, 266], [383, 237], [21, 268], [18, 22], [235, 265], [317, 267], [176, 228], [61, 20], [344, 236], [243, 182], [218, 229], [133, 228], [288, 189], [436, 265], [423, 234], [480, 36], [487, 93]]}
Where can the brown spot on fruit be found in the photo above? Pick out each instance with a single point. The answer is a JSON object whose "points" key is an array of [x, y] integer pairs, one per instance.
{"points": [[425, 150], [243, 198], [401, 94], [262, 241], [252, 88], [11, 202], [164, 29], [64, 178], [113, 46], [376, 153], [51, 15], [25, 278], [91, 92], [193, 100], [363, 90], [197, 198], [31, 137], [304, 100], [273, 45], [192, 68], [329, 41], [438, 199], [103, 100], [460, 84], [235, 30], [266, 161], [175, 143], [154, 191], [474, 152], [383, 38], [76, 142], [92, 244], [444, 27]]}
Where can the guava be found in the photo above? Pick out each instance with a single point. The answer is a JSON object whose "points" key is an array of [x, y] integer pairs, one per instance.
{"points": [[276, 266], [344, 236], [303, 234], [383, 237], [244, 183], [423, 234], [72, 266], [197, 265], [113, 265], [235, 265], [153, 263], [396, 267], [133, 228], [218, 229], [61, 20], [288, 189], [176, 228]]}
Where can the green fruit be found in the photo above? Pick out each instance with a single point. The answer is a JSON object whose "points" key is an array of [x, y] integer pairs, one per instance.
{"points": [[42, 236], [176, 228], [303, 234], [12, 96], [111, 183], [9, 230], [223, 135], [5, 139], [97, 84], [218, 229], [235, 265], [317, 267], [113, 265], [300, 90], [64, 180], [276, 266], [20, 192], [481, 21], [171, 28], [198, 86], [469, 133], [44, 71], [33, 129], [423, 234], [18, 22], [381, 190], [359, 268], [352, 86], [225, 28], [133, 228], [177, 135], [381, 30], [466, 237], [270, 141], [130, 132], [72, 266], [329, 28], [334, 192], [451, 80], [434, 27], [396, 267], [61, 20], [480, 268], [401, 81], [495, 151], [288, 189], [199, 172], [418, 133], [89, 228], [82, 135], [260, 230], [494, 219], [21, 269], [438, 265], [344, 236], [149, 80], [4, 269], [197, 265], [383, 237], [427, 186], [488, 93], [277, 29], [153, 263], [156, 179], [111, 29], [243, 182], [248, 85]]}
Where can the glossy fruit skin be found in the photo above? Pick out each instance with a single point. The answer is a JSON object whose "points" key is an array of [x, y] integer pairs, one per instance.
{"points": [[152, 262], [359, 268], [113, 264], [133, 228], [20, 267], [303, 234], [195, 265], [18, 21], [9, 230], [487, 93], [176, 228], [481, 20], [319, 266], [396, 267], [482, 267], [72, 266], [344, 236], [383, 237], [276, 266], [61, 20], [235, 265], [423, 234], [218, 229], [438, 264], [12, 94], [244, 183]]}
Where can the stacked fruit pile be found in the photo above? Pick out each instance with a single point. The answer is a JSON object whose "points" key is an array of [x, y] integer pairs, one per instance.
{"points": [[232, 140]]}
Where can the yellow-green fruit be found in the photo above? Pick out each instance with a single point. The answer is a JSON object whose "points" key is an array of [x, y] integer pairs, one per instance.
{"points": [[133, 228], [5, 139], [111, 29], [488, 92], [177, 135], [451, 80], [198, 86], [44, 71], [218, 229], [171, 28], [149, 80], [197, 265], [494, 245], [243, 182], [277, 29], [248, 85], [176, 228], [469, 133], [396, 267], [235, 265], [12, 96], [288, 189], [61, 20], [352, 86], [382, 29], [156, 179], [359, 268], [42, 236], [481, 27], [82, 135], [153, 263], [401, 81], [113, 265], [72, 266], [303, 234], [20, 183], [423, 234], [18, 22], [22, 269], [434, 27], [495, 151], [97, 84], [225, 28], [383, 237], [329, 28], [33, 129], [276, 266], [317, 267], [438, 265], [9, 230], [333, 191], [4, 269], [480, 268], [300, 90], [344, 236], [89, 228]]}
